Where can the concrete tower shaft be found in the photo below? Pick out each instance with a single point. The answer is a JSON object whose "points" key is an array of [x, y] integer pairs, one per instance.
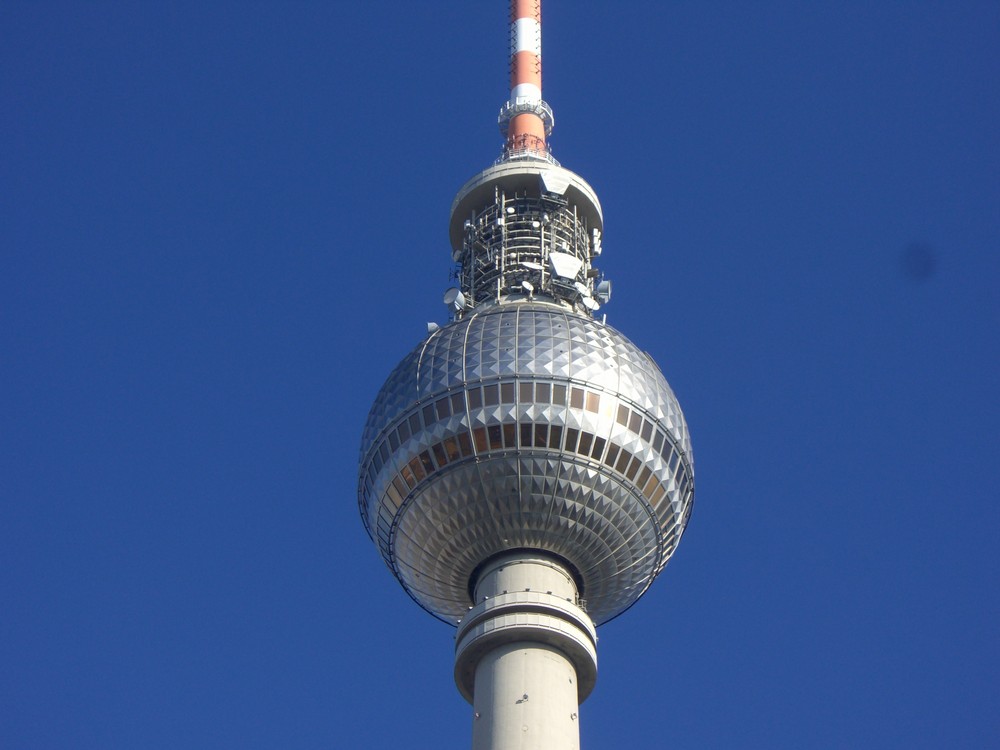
{"points": [[526, 471], [525, 655]]}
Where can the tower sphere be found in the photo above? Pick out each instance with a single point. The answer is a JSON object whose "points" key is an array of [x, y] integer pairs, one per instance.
{"points": [[526, 471], [526, 425]]}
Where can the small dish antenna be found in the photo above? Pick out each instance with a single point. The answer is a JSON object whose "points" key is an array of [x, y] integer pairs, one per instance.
{"points": [[454, 299], [603, 292]]}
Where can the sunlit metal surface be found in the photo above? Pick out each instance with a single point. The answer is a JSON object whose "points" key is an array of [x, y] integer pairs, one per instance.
{"points": [[526, 426]]}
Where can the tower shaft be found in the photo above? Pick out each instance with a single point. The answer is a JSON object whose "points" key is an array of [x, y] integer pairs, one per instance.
{"points": [[525, 700], [525, 655], [525, 454]]}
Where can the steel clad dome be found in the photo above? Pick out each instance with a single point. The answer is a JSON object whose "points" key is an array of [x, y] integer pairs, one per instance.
{"points": [[526, 425]]}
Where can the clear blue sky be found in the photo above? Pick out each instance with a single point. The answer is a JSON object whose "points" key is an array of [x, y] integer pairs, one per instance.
{"points": [[222, 224]]}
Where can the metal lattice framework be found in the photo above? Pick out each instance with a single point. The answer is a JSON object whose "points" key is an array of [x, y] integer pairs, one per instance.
{"points": [[512, 245], [526, 230]]}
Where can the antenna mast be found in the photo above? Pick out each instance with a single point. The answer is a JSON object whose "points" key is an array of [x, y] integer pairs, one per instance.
{"points": [[526, 471], [525, 119]]}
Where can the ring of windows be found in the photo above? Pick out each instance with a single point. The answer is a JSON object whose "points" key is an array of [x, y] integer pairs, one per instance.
{"points": [[522, 435]]}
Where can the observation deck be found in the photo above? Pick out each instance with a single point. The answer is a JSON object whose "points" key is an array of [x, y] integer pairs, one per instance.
{"points": [[526, 426]]}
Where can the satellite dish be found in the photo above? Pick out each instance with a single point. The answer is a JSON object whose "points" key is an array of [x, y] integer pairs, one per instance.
{"points": [[454, 299], [604, 291], [431, 327], [590, 303], [531, 265], [528, 287]]}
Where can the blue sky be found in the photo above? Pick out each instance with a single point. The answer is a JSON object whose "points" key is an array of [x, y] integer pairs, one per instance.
{"points": [[222, 224]]}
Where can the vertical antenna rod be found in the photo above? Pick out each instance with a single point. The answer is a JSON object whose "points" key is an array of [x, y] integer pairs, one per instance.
{"points": [[526, 119]]}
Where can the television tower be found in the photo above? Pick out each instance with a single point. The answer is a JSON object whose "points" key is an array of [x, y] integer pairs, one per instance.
{"points": [[526, 471]]}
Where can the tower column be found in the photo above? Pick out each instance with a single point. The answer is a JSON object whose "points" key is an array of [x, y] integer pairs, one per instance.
{"points": [[525, 655]]}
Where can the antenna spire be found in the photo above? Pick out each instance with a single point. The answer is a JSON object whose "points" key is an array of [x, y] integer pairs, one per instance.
{"points": [[525, 119]]}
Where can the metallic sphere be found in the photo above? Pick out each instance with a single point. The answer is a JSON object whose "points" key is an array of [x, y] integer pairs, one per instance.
{"points": [[525, 425]]}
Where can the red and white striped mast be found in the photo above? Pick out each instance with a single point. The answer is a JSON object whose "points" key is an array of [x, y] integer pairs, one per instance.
{"points": [[526, 120]]}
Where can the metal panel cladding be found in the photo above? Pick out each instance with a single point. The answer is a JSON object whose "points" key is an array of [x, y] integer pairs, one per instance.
{"points": [[526, 426]]}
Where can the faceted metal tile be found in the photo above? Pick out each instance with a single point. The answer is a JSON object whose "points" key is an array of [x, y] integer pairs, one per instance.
{"points": [[461, 487]]}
